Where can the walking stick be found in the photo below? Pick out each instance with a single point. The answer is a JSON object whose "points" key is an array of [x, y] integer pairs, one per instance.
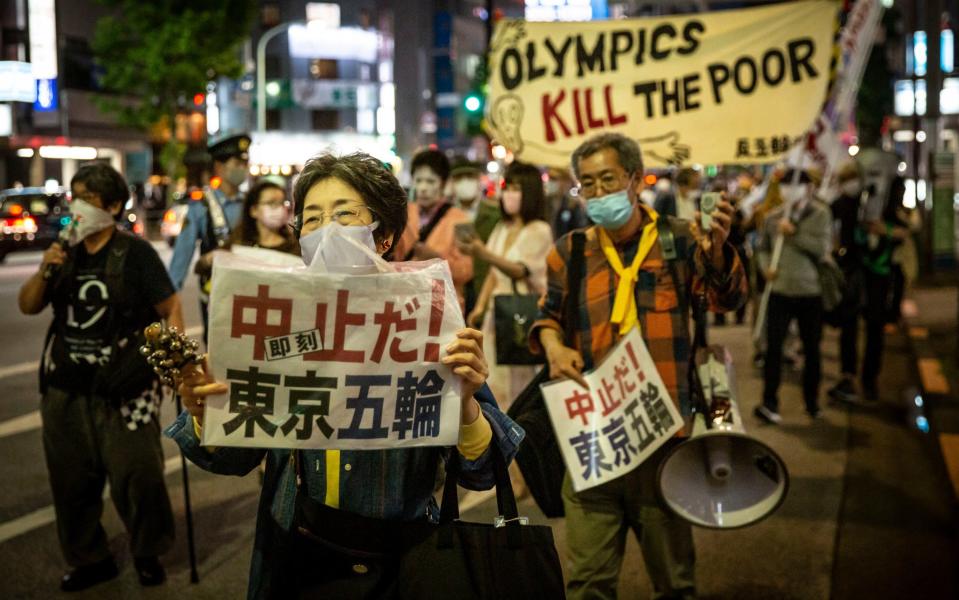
{"points": [[190, 542], [168, 351]]}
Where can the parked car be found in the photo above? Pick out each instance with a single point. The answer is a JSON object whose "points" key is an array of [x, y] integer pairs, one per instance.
{"points": [[31, 218]]}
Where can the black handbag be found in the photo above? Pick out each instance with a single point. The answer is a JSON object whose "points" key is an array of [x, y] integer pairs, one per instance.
{"points": [[331, 553], [513, 315], [539, 457]]}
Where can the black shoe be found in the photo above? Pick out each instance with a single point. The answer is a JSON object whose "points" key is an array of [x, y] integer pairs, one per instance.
{"points": [[149, 570], [844, 391], [768, 415], [759, 360], [816, 414], [870, 392], [88, 576]]}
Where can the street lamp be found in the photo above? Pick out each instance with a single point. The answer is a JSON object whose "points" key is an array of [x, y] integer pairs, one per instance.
{"points": [[261, 70]]}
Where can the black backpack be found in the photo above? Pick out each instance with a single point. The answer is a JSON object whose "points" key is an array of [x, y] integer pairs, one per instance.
{"points": [[127, 374]]}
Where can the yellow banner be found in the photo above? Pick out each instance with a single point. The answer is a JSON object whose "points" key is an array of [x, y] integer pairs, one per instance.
{"points": [[738, 86]]}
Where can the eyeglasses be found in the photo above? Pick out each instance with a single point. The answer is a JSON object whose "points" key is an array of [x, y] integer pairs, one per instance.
{"points": [[608, 183], [275, 204], [344, 216]]}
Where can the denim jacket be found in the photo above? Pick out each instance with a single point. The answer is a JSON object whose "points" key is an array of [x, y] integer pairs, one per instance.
{"points": [[385, 484]]}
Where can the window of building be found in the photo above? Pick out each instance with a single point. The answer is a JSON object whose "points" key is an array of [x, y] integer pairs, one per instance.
{"points": [[324, 120], [273, 118], [323, 68]]}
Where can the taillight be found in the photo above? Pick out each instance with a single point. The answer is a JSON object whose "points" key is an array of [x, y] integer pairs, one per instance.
{"points": [[22, 225], [138, 228], [169, 216], [29, 225]]}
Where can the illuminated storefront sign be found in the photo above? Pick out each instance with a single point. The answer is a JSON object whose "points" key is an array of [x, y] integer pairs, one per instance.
{"points": [[43, 38], [16, 82]]}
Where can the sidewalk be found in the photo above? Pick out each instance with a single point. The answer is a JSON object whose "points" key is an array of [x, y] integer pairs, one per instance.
{"points": [[869, 513]]}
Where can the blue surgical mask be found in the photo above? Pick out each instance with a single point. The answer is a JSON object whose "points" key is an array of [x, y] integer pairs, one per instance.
{"points": [[611, 211]]}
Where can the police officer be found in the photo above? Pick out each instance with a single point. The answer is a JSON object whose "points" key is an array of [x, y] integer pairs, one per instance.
{"points": [[211, 219]]}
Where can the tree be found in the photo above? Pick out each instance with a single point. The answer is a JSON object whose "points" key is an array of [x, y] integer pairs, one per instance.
{"points": [[155, 56]]}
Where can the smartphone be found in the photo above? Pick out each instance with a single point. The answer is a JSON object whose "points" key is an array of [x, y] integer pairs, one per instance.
{"points": [[464, 231], [707, 205]]}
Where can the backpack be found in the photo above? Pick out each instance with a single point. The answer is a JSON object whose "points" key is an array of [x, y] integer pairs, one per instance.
{"points": [[126, 375]]}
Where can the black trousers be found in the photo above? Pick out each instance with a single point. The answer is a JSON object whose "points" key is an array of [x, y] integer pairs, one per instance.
{"points": [[87, 444], [876, 313], [807, 310]]}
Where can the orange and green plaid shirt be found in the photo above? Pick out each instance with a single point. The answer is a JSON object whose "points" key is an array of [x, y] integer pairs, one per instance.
{"points": [[664, 326]]}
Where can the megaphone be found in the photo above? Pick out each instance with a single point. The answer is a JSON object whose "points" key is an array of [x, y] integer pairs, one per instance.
{"points": [[721, 478]]}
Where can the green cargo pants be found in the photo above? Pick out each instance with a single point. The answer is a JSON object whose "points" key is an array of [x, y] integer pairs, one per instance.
{"points": [[87, 444], [597, 520]]}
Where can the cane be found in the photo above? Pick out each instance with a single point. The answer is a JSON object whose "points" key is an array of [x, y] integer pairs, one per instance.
{"points": [[168, 351], [190, 542]]}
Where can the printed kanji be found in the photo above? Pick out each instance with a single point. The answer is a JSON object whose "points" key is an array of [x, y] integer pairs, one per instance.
{"points": [[405, 404], [638, 424], [620, 372], [590, 453], [363, 403], [426, 420], [656, 409], [742, 147], [386, 320], [262, 305], [607, 398], [761, 148], [580, 404], [310, 399], [252, 397], [306, 342], [278, 347], [344, 319], [619, 440]]}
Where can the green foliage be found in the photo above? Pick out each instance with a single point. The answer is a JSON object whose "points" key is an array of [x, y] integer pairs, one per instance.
{"points": [[157, 54]]}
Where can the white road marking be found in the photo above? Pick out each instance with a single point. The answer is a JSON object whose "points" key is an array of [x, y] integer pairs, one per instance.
{"points": [[31, 420], [46, 515]]}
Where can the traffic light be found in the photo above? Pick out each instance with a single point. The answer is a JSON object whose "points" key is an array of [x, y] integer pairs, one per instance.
{"points": [[473, 105]]}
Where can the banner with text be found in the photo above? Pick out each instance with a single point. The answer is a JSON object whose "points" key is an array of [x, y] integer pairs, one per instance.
{"points": [[625, 415], [737, 86], [332, 361]]}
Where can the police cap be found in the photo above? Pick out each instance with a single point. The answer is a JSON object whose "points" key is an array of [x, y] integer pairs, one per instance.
{"points": [[226, 148]]}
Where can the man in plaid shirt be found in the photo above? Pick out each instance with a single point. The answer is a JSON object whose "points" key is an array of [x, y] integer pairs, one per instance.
{"points": [[628, 283]]}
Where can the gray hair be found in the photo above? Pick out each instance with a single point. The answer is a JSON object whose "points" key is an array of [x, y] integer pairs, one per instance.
{"points": [[627, 150]]}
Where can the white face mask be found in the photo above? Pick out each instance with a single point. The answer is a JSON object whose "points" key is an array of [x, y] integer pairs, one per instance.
{"points": [[851, 187], [466, 189], [793, 193], [272, 217], [331, 245], [87, 220]]}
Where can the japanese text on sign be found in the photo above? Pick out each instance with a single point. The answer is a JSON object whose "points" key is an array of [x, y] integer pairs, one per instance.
{"points": [[625, 415], [326, 361]]}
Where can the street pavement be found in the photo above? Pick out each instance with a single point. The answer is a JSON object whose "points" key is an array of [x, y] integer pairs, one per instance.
{"points": [[869, 513]]}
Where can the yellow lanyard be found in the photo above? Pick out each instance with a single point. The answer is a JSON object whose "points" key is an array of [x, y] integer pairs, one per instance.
{"points": [[624, 305]]}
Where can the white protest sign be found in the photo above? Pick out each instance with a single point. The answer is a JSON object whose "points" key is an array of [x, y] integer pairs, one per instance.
{"points": [[321, 360], [610, 429]]}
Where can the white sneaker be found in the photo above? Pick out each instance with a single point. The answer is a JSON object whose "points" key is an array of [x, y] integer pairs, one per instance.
{"points": [[770, 416]]}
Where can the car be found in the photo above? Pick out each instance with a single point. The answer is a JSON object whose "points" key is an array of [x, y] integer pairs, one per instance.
{"points": [[31, 218], [173, 219]]}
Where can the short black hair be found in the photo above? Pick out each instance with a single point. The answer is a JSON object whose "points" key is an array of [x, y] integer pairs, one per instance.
{"points": [[376, 184], [685, 176], [435, 160], [246, 232], [530, 181], [104, 181], [626, 149]]}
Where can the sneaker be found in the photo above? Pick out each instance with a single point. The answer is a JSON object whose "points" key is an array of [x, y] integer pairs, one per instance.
{"points": [[816, 415], [844, 391], [149, 570], [770, 416], [759, 360], [87, 576], [870, 392]]}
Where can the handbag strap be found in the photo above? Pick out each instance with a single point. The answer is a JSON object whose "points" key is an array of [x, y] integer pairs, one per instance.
{"points": [[575, 271]]}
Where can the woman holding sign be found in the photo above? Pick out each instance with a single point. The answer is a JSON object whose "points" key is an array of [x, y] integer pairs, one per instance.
{"points": [[370, 494]]}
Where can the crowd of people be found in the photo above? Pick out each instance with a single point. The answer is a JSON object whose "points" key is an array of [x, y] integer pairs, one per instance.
{"points": [[770, 235]]}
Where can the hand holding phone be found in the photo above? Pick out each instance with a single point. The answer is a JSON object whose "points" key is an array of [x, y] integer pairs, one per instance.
{"points": [[464, 232], [707, 205]]}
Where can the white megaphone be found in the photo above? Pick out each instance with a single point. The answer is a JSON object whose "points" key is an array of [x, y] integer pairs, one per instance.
{"points": [[721, 478]]}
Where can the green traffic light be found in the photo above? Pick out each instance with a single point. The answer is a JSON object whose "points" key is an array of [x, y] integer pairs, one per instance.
{"points": [[472, 103]]}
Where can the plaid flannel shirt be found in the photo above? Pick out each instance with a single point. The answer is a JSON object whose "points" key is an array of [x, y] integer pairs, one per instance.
{"points": [[665, 327]]}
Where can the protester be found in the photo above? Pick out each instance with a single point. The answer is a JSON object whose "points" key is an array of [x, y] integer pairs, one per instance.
{"points": [[877, 241], [517, 251], [564, 211], [484, 214], [846, 211], [737, 238], [375, 489], [804, 222], [771, 200], [609, 169], [682, 200], [99, 410], [430, 227], [211, 219]]}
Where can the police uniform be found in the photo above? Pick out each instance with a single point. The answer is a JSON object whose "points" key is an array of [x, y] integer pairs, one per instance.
{"points": [[209, 220]]}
